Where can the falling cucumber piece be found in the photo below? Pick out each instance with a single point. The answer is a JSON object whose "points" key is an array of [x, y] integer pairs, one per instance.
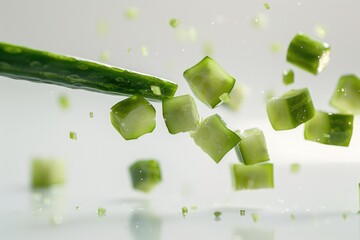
{"points": [[252, 177], [290, 110], [214, 138], [44, 67], [145, 175], [73, 135], [288, 77], [217, 215], [63, 101], [101, 211], [309, 54], [295, 167], [252, 147], [47, 172], [174, 22], [255, 217], [330, 128], [184, 211], [180, 114], [346, 97], [209, 81], [133, 117], [242, 212]]}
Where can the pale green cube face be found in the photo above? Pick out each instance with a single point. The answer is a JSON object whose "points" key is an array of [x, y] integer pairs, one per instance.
{"points": [[346, 97], [330, 128], [214, 138], [290, 110], [180, 114], [209, 81], [47, 173], [252, 177], [145, 175], [252, 148], [133, 117]]}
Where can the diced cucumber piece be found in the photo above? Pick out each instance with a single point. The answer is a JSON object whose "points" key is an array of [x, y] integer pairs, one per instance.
{"points": [[47, 172], [145, 175], [209, 81], [133, 117], [101, 211], [288, 77], [290, 110], [330, 128], [174, 22], [180, 114], [346, 97], [214, 138], [73, 135], [252, 147], [253, 176], [184, 211], [309, 54]]}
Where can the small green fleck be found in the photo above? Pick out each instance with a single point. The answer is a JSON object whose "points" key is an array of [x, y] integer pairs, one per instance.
{"points": [[101, 211], [260, 21], [144, 51], [320, 31], [295, 167], [184, 211], [64, 102], [267, 6], [104, 56], [275, 47], [156, 90], [217, 215], [208, 49], [225, 97], [77, 207], [193, 207], [132, 13], [288, 77], [91, 114], [255, 217], [73, 135], [129, 50], [242, 212], [345, 216], [292, 216], [174, 22]]}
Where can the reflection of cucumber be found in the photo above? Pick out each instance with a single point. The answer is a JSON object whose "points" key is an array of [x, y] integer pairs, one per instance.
{"points": [[308, 54], [45, 67], [290, 110], [145, 175], [330, 128], [252, 177]]}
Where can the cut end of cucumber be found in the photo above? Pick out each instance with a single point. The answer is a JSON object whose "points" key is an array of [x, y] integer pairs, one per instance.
{"points": [[346, 97], [252, 177], [133, 117], [47, 172], [180, 114], [145, 175], [290, 110], [252, 147], [209, 81], [214, 138], [330, 128]]}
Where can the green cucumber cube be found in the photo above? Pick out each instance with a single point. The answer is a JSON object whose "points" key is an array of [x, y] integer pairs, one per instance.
{"points": [[346, 97], [252, 147], [47, 172], [330, 128], [180, 114], [214, 138], [253, 176], [145, 175], [209, 81], [288, 77], [133, 117], [290, 110]]}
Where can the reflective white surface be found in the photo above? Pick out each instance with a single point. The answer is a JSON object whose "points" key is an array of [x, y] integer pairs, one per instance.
{"points": [[33, 124]]}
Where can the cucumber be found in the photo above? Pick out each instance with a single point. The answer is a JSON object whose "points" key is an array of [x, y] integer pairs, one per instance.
{"points": [[44, 67], [145, 174], [252, 177]]}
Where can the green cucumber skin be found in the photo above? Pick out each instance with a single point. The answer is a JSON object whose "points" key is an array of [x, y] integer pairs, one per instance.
{"points": [[305, 52], [44, 67]]}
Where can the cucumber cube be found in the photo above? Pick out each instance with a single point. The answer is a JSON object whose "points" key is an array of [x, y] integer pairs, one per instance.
{"points": [[180, 114], [330, 128], [346, 97], [209, 81], [133, 117], [252, 147], [145, 175], [214, 138], [47, 172], [290, 110], [252, 177]]}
